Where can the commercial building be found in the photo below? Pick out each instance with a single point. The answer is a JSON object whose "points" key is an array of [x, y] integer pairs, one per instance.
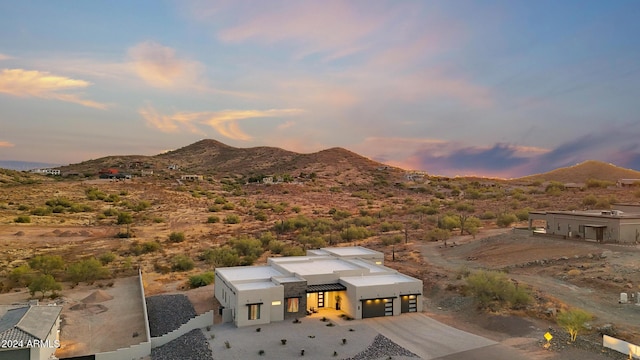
{"points": [[350, 279]]}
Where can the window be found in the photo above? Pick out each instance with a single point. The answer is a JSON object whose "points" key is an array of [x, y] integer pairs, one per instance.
{"points": [[292, 304], [254, 311]]}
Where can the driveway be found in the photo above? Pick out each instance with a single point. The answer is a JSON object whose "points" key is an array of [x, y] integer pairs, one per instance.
{"points": [[432, 340]]}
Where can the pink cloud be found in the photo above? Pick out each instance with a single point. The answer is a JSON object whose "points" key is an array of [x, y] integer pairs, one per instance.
{"points": [[225, 122], [32, 83], [6, 144], [159, 65]]}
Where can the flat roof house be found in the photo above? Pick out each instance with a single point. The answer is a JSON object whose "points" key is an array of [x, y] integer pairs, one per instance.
{"points": [[351, 279], [29, 332], [620, 225]]}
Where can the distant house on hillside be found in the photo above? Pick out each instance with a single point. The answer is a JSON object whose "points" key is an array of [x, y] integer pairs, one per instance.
{"points": [[146, 172], [173, 167], [627, 182], [54, 172], [192, 177]]}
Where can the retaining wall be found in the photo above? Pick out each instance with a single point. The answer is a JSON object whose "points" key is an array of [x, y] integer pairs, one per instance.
{"points": [[621, 346]]}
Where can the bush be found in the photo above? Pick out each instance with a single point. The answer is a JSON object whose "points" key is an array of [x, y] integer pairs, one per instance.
{"points": [[176, 237], [228, 206], [214, 208], [247, 246], [390, 240], [523, 214], [144, 248], [223, 256], [124, 218], [492, 289], [506, 220], [387, 226], [87, 270], [24, 219], [46, 263], [213, 219], [200, 280], [276, 246], [589, 200], [110, 212], [261, 216], [182, 263], [43, 283], [437, 234], [41, 211], [354, 233], [232, 219], [573, 321], [107, 258]]}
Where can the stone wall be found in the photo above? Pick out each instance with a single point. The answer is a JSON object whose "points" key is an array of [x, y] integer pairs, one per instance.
{"points": [[295, 289]]}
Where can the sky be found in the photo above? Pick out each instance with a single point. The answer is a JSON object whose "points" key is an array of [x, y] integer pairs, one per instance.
{"points": [[486, 88]]}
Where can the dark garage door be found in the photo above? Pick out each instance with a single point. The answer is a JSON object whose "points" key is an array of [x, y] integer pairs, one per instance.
{"points": [[22, 354], [377, 307], [408, 303]]}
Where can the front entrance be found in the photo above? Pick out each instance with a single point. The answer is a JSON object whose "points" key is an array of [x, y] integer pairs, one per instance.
{"points": [[377, 307], [320, 300]]}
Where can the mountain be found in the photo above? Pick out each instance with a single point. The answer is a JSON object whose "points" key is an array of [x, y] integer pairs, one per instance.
{"points": [[211, 157], [584, 171], [25, 165]]}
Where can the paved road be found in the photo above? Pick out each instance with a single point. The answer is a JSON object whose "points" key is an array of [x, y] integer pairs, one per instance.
{"points": [[432, 340]]}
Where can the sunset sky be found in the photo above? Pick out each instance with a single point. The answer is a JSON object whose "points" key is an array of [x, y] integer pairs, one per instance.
{"points": [[491, 88]]}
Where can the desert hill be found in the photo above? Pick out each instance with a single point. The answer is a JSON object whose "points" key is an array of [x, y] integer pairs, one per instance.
{"points": [[584, 171], [13, 177], [211, 157]]}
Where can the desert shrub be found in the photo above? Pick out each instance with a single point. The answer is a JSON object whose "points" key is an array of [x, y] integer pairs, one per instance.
{"points": [[493, 290], [223, 256], [387, 226], [158, 220], [220, 200], [147, 247], [58, 209], [522, 214], [292, 224], [124, 218], [46, 263], [110, 212], [228, 206], [95, 194], [213, 219], [266, 237], [261, 216], [437, 234], [21, 275], [113, 198], [574, 272], [200, 280], [291, 250], [505, 220], [390, 240], [354, 233], [107, 257], [140, 206], [589, 200], [214, 208], [176, 237], [87, 270], [603, 204], [182, 263], [43, 283], [23, 207], [59, 202], [232, 219], [23, 219], [41, 211], [573, 321], [364, 221], [296, 209], [596, 183], [276, 246], [340, 214], [314, 241], [449, 222], [247, 246]]}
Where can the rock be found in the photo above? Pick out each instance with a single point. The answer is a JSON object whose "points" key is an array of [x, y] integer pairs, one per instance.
{"points": [[590, 256], [607, 329], [629, 285]]}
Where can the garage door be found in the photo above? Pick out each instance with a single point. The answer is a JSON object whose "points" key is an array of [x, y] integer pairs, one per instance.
{"points": [[22, 354], [377, 307], [408, 303]]}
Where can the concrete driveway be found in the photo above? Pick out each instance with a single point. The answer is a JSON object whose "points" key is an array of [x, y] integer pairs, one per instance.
{"points": [[432, 340]]}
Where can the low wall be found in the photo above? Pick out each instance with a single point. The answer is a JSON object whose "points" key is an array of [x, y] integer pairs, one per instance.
{"points": [[621, 346], [522, 231], [197, 322], [132, 352]]}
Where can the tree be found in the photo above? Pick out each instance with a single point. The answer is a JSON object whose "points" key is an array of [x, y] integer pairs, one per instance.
{"points": [[125, 218], [46, 263], [43, 283], [87, 270], [573, 321]]}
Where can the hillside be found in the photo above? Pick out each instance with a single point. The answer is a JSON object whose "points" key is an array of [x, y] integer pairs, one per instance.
{"points": [[584, 171], [211, 157]]}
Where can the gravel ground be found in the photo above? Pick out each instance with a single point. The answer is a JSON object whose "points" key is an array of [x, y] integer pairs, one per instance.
{"points": [[190, 346], [591, 343], [383, 347], [168, 312]]}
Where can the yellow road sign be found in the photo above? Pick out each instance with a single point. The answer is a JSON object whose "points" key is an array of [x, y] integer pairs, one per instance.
{"points": [[548, 336]]}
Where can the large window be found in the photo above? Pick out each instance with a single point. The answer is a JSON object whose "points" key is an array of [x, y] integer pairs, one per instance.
{"points": [[292, 304], [254, 311]]}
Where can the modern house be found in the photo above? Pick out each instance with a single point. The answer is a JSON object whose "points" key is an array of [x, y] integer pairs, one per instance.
{"points": [[620, 225], [29, 332], [350, 279], [192, 177]]}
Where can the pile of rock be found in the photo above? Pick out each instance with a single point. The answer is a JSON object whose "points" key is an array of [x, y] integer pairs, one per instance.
{"points": [[190, 346], [168, 312], [383, 347]]}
